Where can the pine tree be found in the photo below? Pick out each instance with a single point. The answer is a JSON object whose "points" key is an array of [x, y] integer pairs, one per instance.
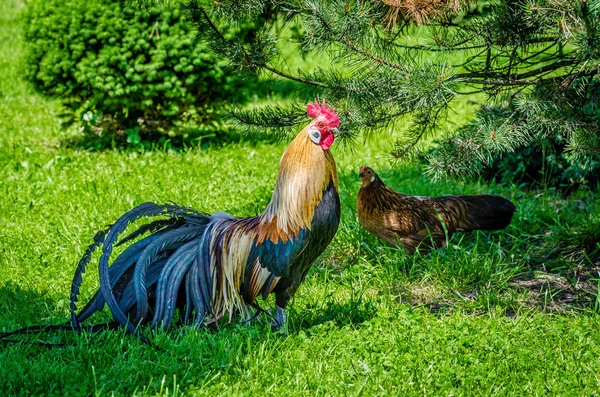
{"points": [[395, 62]]}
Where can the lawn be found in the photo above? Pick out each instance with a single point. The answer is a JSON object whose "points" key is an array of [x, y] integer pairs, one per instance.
{"points": [[502, 313]]}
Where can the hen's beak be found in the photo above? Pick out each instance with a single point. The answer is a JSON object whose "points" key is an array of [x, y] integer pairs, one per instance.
{"points": [[362, 171]]}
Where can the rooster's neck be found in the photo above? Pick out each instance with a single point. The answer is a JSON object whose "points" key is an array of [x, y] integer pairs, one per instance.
{"points": [[305, 171]]}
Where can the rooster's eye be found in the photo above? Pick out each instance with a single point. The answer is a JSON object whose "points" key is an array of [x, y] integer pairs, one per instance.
{"points": [[321, 124], [315, 135]]}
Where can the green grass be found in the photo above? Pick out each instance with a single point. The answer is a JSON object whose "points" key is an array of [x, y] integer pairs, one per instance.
{"points": [[505, 313]]}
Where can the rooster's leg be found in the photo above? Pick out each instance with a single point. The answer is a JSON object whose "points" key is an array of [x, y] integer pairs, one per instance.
{"points": [[279, 319]]}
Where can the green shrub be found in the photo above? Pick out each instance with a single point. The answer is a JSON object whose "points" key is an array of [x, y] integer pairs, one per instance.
{"points": [[129, 75], [546, 167]]}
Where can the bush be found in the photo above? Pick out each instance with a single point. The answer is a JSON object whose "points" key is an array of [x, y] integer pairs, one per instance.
{"points": [[129, 75], [549, 166]]}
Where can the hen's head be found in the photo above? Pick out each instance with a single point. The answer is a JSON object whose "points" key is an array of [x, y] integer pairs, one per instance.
{"points": [[367, 175], [323, 126]]}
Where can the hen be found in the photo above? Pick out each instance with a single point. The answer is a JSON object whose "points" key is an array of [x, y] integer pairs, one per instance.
{"points": [[209, 266], [418, 222]]}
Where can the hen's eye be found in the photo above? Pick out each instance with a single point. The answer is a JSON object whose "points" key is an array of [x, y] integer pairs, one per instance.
{"points": [[315, 135]]}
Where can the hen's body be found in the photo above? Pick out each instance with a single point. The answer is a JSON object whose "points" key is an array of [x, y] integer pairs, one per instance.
{"points": [[425, 222], [212, 265]]}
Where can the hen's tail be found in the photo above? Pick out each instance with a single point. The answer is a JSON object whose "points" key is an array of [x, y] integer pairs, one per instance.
{"points": [[478, 212]]}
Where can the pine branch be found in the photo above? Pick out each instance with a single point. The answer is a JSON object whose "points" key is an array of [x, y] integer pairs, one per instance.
{"points": [[421, 126], [293, 78], [345, 41], [514, 79], [273, 120], [254, 64], [538, 59]]}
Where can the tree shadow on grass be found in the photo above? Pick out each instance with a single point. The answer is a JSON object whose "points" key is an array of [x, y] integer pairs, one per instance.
{"points": [[558, 293], [23, 306], [351, 312], [535, 292]]}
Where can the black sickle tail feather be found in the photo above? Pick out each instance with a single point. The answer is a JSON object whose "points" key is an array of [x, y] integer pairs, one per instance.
{"points": [[121, 265], [99, 239], [146, 209], [486, 212], [159, 265], [171, 240], [78, 278], [152, 267], [37, 329]]}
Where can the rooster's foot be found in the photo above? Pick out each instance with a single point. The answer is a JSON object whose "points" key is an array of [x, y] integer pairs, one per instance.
{"points": [[279, 320]]}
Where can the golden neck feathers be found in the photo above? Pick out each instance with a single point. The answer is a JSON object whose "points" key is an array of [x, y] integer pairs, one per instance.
{"points": [[305, 171]]}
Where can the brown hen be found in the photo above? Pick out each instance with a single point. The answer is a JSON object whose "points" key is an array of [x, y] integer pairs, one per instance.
{"points": [[419, 222]]}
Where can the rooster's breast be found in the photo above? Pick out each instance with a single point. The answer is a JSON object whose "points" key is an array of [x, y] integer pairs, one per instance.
{"points": [[324, 224]]}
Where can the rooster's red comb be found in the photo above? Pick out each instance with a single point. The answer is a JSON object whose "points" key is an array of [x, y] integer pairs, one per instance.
{"points": [[315, 110]]}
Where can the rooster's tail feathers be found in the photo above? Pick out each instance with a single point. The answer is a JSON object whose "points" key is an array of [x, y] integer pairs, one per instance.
{"points": [[154, 266]]}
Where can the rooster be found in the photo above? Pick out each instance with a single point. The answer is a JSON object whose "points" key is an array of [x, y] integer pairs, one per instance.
{"points": [[425, 222], [211, 266]]}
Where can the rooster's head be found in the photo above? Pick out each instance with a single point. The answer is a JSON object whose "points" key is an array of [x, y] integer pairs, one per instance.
{"points": [[324, 125]]}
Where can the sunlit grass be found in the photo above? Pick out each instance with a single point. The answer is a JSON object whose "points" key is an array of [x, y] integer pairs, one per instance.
{"points": [[369, 319]]}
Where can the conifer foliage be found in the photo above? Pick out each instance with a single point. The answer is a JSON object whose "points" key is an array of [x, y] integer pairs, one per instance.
{"points": [[393, 64]]}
